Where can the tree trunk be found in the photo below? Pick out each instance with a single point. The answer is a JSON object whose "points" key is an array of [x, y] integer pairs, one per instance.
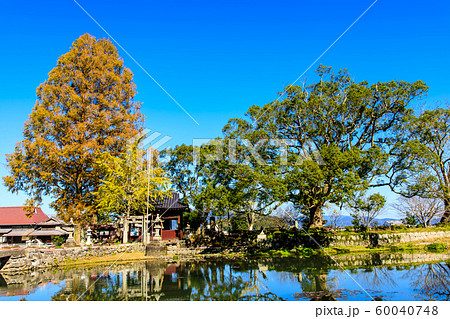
{"points": [[321, 282], [125, 231], [445, 219], [251, 220], [125, 225], [315, 217]]}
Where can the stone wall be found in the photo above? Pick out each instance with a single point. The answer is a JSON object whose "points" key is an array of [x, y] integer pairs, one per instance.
{"points": [[34, 258], [386, 239], [387, 259], [184, 252]]}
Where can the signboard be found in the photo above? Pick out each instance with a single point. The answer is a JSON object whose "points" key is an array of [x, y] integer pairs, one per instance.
{"points": [[134, 232]]}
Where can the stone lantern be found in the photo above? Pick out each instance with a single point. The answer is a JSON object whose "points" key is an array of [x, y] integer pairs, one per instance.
{"points": [[188, 229], [88, 235], [158, 228], [70, 240], [261, 237]]}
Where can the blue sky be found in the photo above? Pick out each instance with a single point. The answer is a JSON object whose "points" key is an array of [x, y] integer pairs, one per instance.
{"points": [[218, 58]]}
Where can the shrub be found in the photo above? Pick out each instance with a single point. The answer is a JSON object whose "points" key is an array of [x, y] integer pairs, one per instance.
{"points": [[305, 252], [410, 219], [394, 248], [238, 223], [341, 250], [399, 227], [436, 247], [277, 234], [59, 240]]}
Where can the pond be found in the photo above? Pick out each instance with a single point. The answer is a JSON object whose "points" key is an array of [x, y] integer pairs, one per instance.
{"points": [[362, 277]]}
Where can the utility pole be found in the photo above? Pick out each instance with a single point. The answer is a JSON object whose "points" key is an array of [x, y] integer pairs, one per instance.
{"points": [[149, 172]]}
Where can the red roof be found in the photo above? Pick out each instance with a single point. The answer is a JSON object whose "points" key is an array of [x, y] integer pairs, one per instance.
{"points": [[17, 216]]}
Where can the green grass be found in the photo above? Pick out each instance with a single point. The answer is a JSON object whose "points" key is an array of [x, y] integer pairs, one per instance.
{"points": [[353, 250], [398, 229], [436, 248]]}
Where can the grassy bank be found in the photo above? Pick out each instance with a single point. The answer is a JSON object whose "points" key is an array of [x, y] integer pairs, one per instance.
{"points": [[437, 245], [115, 258], [392, 230]]}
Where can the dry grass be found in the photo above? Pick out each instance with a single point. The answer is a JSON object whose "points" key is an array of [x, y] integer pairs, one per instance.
{"points": [[445, 240], [115, 258]]}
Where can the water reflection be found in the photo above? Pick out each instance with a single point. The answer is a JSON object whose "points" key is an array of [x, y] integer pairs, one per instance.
{"points": [[161, 281], [264, 279], [433, 281], [376, 277], [2, 282]]}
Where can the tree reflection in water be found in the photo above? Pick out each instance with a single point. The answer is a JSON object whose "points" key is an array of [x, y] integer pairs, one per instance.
{"points": [[161, 281], [375, 278], [432, 281], [258, 279], [3, 282]]}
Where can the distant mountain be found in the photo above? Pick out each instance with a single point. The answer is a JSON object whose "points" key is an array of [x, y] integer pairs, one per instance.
{"points": [[347, 220]]}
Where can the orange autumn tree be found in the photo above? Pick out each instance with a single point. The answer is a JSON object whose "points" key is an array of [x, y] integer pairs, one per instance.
{"points": [[85, 107]]}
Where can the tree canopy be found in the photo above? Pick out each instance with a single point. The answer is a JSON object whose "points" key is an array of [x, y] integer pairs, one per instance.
{"points": [[211, 180], [129, 183], [418, 210], [337, 137], [366, 208], [85, 106], [421, 157]]}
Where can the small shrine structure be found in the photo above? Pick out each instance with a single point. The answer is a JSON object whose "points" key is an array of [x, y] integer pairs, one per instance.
{"points": [[167, 213]]}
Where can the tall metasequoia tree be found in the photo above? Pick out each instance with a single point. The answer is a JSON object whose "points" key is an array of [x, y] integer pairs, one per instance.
{"points": [[85, 106]]}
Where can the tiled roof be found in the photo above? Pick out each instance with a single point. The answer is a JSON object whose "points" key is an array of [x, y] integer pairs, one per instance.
{"points": [[18, 233], [170, 203], [53, 221], [5, 230], [17, 216], [50, 232]]}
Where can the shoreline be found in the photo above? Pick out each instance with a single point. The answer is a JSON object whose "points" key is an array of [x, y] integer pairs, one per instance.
{"points": [[32, 259], [227, 255]]}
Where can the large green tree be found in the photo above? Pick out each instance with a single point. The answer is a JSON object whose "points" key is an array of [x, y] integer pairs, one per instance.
{"points": [[337, 137], [212, 181], [421, 162], [85, 106], [185, 175], [238, 184], [182, 170]]}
